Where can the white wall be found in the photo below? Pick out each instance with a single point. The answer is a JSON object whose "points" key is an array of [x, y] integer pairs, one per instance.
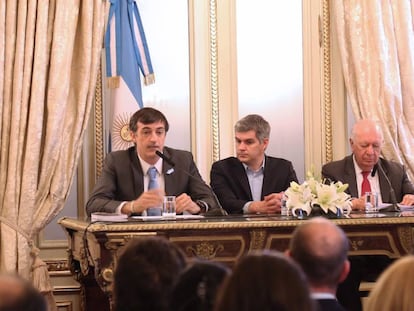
{"points": [[270, 73]]}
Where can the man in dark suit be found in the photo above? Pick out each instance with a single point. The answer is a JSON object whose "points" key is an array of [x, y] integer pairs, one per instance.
{"points": [[253, 182], [320, 247], [123, 186], [366, 142]]}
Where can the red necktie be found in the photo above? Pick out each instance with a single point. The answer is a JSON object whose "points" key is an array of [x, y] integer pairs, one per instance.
{"points": [[365, 186]]}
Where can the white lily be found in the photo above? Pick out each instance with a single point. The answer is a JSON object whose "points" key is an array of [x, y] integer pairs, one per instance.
{"points": [[312, 192]]}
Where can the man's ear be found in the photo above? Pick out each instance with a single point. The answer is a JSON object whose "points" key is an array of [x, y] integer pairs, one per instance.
{"points": [[345, 271], [288, 253], [265, 143], [351, 144]]}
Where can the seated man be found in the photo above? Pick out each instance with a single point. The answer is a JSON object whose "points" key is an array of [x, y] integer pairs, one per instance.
{"points": [[365, 171], [320, 247], [253, 182], [135, 180]]}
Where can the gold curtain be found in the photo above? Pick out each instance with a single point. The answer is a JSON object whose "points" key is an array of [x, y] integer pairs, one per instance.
{"points": [[376, 43], [49, 57]]}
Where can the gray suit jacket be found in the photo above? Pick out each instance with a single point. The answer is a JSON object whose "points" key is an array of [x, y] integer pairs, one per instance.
{"points": [[344, 171], [122, 179], [229, 181]]}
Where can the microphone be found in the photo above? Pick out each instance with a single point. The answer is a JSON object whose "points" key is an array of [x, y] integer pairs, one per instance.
{"points": [[374, 170], [165, 158], [220, 211], [394, 204]]}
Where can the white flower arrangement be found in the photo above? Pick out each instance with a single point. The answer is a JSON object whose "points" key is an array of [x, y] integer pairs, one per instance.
{"points": [[312, 193]]}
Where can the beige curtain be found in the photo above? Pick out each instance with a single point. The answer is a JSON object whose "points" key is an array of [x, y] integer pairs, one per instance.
{"points": [[376, 43], [49, 57]]}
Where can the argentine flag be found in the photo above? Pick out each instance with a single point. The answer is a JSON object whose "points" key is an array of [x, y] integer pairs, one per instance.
{"points": [[127, 55]]}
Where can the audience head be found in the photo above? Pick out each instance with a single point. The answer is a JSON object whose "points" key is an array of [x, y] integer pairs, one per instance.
{"points": [[366, 142], [393, 289], [148, 128], [320, 247], [252, 138], [145, 274], [197, 287], [265, 281], [17, 294]]}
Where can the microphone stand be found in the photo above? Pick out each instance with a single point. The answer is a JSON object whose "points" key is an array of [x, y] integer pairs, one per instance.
{"points": [[221, 211], [394, 204]]}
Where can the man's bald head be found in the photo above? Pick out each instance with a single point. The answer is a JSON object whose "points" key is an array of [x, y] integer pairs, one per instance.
{"points": [[320, 247]]}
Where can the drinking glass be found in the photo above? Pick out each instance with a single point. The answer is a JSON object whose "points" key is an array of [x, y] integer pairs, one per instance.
{"points": [[371, 202], [168, 209]]}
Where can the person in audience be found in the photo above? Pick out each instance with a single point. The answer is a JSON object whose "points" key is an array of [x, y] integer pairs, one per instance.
{"points": [[266, 281], [17, 294], [145, 274], [393, 289], [364, 170], [125, 185], [252, 182], [320, 247], [197, 286]]}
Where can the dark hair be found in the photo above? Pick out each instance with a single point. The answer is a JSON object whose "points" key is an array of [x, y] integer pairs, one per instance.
{"points": [[147, 115], [25, 298], [197, 286], [256, 123], [320, 247], [266, 281], [145, 274]]}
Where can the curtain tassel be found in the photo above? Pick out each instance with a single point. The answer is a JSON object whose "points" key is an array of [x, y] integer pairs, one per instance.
{"points": [[41, 279]]}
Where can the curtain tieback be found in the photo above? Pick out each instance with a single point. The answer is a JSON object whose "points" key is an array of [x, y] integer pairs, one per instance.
{"points": [[40, 277]]}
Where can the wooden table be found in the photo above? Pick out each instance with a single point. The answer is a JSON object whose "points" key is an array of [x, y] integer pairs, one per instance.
{"points": [[94, 247]]}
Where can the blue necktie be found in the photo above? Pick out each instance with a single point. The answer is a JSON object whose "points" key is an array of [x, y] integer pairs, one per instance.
{"points": [[152, 173], [153, 184]]}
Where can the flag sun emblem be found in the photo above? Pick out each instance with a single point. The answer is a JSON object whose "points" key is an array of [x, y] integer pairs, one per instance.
{"points": [[122, 138]]}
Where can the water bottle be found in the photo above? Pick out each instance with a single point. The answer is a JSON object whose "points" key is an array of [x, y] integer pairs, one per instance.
{"points": [[368, 203], [284, 211]]}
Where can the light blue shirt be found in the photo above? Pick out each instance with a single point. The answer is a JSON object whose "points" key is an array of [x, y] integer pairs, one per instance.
{"points": [[256, 184]]}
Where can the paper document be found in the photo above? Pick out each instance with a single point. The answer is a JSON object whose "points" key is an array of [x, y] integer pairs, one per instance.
{"points": [[178, 217], [405, 207], [389, 206], [110, 217]]}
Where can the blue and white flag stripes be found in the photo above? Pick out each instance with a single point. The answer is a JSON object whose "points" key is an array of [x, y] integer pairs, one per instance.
{"points": [[126, 55]]}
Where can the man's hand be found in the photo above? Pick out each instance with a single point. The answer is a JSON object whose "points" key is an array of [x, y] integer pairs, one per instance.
{"points": [[408, 199], [184, 203], [358, 204], [150, 198], [270, 205]]}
